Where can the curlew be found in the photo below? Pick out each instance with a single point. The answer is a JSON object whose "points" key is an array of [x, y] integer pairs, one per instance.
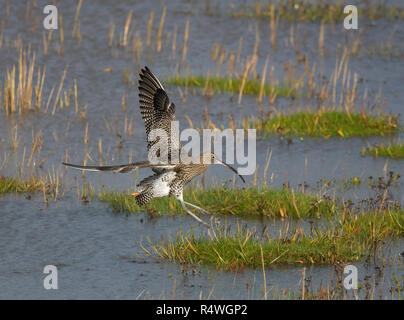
{"points": [[169, 178]]}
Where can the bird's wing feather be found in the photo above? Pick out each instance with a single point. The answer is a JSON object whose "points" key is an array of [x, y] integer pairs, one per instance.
{"points": [[153, 99], [157, 113], [123, 168]]}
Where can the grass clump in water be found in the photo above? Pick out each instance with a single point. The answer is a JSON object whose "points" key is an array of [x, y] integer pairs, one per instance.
{"points": [[395, 151], [370, 227], [247, 203], [350, 240], [11, 185], [325, 124], [219, 85], [240, 250]]}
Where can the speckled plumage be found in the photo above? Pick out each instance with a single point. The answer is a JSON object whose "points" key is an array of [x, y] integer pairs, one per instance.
{"points": [[169, 182], [157, 110]]}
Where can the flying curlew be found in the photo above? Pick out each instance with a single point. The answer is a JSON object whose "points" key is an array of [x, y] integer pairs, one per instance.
{"points": [[169, 178]]}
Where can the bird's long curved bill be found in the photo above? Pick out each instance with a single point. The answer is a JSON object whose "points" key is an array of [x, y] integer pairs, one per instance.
{"points": [[230, 167]]}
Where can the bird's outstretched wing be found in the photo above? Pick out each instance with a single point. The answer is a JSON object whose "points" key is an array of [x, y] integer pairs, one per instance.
{"points": [[156, 109], [123, 168], [153, 99]]}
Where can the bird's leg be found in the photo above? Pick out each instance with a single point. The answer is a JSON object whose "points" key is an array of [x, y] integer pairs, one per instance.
{"points": [[196, 207], [213, 236], [194, 216]]}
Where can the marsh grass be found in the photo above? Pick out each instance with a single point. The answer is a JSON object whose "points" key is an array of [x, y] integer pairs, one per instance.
{"points": [[220, 85], [317, 11], [250, 202], [374, 226], [18, 86], [325, 124], [11, 185], [49, 186], [239, 251], [395, 151], [22, 93], [350, 240]]}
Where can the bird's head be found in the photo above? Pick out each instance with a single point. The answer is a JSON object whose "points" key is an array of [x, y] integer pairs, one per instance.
{"points": [[209, 158]]}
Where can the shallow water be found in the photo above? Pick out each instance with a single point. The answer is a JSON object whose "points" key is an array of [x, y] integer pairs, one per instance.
{"points": [[96, 251], [98, 256]]}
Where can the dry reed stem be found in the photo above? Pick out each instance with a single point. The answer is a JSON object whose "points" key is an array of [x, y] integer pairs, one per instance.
{"points": [[61, 35], [272, 25], [126, 29], [221, 59], [321, 39], [149, 27], [111, 33], [76, 26], [249, 63], [100, 151], [230, 65], [2, 34], [215, 52], [256, 176], [160, 30], [264, 73], [185, 44], [263, 272], [36, 145], [45, 44], [257, 40], [205, 89], [59, 91], [267, 162], [174, 43], [39, 88]]}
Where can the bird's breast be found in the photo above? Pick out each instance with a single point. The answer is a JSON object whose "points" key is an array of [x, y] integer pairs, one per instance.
{"points": [[161, 186]]}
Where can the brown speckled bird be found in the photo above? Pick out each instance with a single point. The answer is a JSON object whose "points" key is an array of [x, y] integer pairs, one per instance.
{"points": [[169, 178]]}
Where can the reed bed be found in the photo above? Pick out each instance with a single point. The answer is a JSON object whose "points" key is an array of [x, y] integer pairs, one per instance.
{"points": [[242, 77], [325, 124], [19, 87], [22, 93]]}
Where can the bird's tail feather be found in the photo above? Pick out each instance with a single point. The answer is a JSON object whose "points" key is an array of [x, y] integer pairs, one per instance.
{"points": [[143, 197]]}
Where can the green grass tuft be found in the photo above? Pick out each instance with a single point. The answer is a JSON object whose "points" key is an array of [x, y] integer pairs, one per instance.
{"points": [[238, 251], [325, 124], [248, 203], [349, 241], [11, 185], [220, 85], [395, 151]]}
